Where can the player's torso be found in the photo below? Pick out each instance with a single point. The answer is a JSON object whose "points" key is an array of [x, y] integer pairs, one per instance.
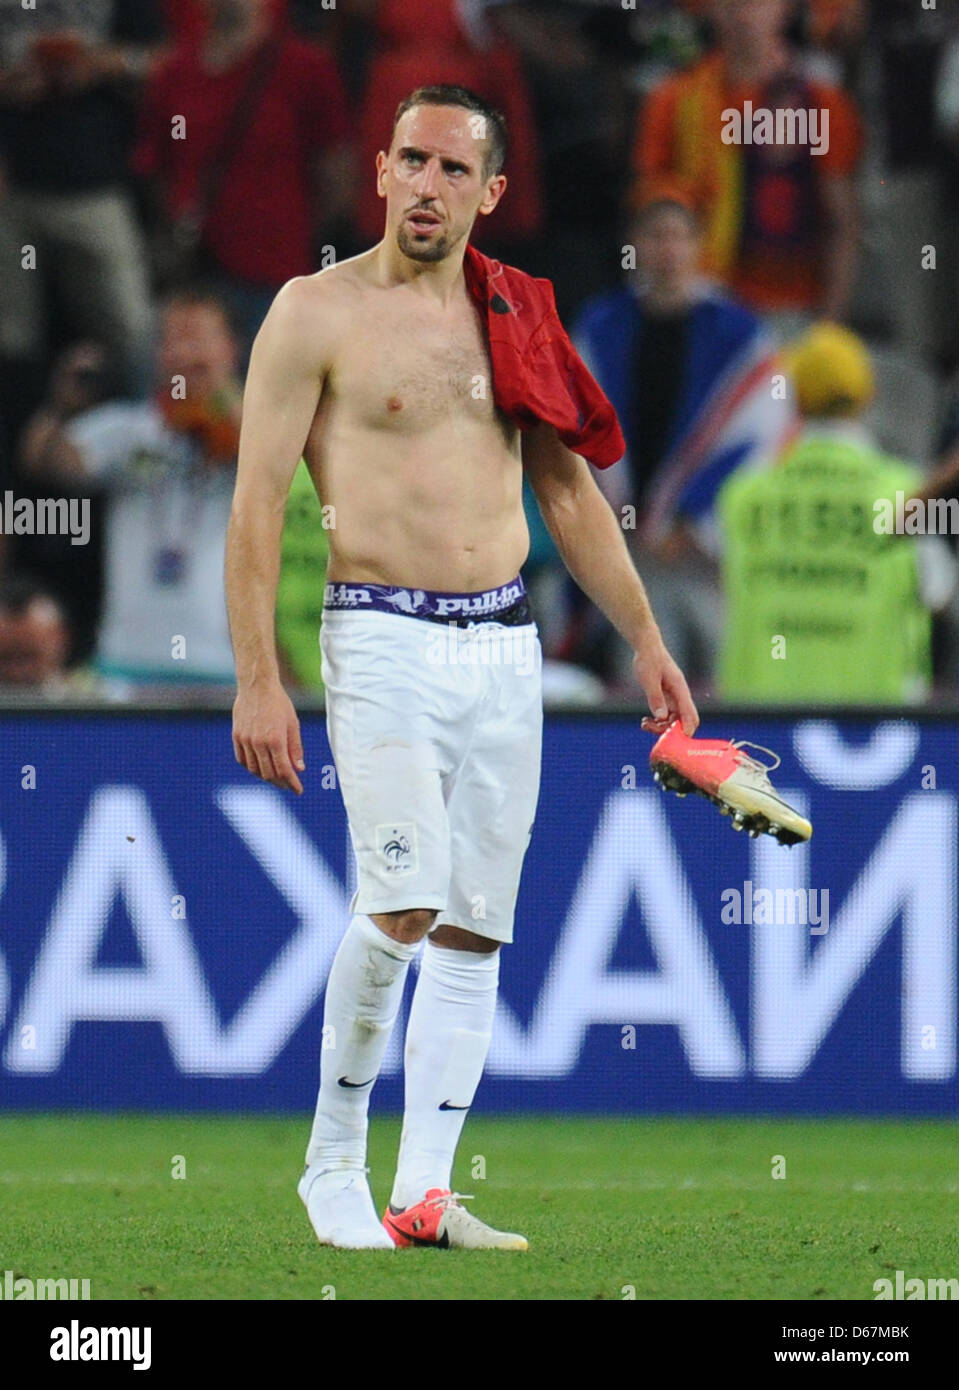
{"points": [[411, 369], [408, 446]]}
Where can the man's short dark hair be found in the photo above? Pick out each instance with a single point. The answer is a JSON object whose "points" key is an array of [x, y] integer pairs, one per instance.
{"points": [[648, 212], [202, 294], [494, 122]]}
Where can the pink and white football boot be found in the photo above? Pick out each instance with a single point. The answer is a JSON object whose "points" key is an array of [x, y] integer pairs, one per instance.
{"points": [[735, 782]]}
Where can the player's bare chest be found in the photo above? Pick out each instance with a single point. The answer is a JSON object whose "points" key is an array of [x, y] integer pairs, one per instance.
{"points": [[407, 373]]}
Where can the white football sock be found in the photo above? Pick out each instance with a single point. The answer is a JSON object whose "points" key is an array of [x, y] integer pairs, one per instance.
{"points": [[447, 1039], [363, 995]]}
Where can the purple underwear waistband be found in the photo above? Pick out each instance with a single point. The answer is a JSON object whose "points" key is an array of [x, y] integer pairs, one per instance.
{"points": [[509, 601]]}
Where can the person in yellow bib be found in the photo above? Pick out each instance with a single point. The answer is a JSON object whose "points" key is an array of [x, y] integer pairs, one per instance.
{"points": [[827, 596]]}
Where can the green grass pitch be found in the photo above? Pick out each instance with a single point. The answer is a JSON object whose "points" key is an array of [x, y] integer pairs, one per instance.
{"points": [[674, 1208]]}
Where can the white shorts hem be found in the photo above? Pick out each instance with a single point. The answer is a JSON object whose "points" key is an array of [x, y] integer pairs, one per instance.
{"points": [[417, 901], [490, 932]]}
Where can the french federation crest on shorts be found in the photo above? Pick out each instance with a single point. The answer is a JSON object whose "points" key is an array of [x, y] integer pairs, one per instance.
{"points": [[397, 847]]}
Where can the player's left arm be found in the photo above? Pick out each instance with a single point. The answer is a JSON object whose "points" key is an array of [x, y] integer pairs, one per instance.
{"points": [[590, 540]]}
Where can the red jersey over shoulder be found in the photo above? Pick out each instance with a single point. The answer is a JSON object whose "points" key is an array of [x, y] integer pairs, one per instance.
{"points": [[537, 373]]}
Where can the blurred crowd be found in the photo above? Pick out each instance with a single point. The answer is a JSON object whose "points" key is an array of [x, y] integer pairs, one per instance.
{"points": [[774, 316]]}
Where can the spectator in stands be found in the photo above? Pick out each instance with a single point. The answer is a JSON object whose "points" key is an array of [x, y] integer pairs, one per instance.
{"points": [[822, 603], [69, 76], [34, 639], [82, 377], [580, 105], [906, 300], [780, 220], [286, 178], [187, 20], [689, 373], [168, 467]]}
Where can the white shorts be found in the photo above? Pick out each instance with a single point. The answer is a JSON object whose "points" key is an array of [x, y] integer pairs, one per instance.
{"points": [[436, 734]]}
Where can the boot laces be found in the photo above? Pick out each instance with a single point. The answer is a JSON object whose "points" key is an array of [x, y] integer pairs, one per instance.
{"points": [[753, 763], [449, 1199]]}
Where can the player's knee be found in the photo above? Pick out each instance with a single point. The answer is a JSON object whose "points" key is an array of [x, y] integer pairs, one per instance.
{"points": [[408, 926], [459, 939]]}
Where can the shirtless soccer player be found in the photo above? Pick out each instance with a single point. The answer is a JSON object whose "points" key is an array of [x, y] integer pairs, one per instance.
{"points": [[369, 369]]}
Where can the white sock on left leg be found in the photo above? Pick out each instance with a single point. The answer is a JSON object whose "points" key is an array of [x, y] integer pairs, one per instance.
{"points": [[363, 995], [447, 1039]]}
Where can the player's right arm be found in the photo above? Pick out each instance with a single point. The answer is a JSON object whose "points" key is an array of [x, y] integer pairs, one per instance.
{"points": [[283, 385]]}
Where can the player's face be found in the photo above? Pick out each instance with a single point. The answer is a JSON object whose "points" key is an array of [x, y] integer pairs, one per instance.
{"points": [[433, 180], [196, 342]]}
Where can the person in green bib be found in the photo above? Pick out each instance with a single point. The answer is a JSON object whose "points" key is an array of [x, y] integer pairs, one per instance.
{"points": [[299, 597], [824, 599]]}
